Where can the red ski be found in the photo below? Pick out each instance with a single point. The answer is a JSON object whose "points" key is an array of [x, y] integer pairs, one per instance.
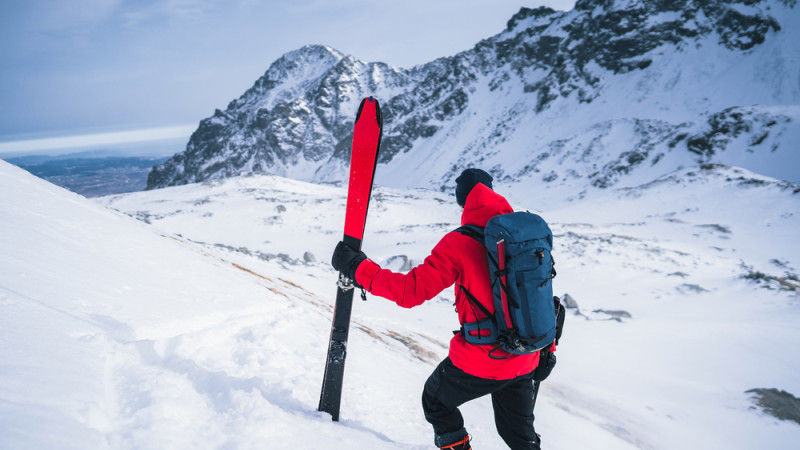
{"points": [[363, 159]]}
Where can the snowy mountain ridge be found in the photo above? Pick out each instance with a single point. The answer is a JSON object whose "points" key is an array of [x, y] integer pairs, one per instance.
{"points": [[696, 77]]}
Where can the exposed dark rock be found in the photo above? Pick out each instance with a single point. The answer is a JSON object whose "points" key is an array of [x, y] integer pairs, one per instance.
{"points": [[617, 315], [777, 403], [569, 302], [788, 282], [399, 263]]}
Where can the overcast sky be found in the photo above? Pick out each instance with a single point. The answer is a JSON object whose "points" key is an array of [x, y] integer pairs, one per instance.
{"points": [[115, 68]]}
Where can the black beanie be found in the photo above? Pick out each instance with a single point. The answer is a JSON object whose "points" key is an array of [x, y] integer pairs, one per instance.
{"points": [[467, 180]]}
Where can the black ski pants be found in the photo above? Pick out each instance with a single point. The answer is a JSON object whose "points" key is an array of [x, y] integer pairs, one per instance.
{"points": [[449, 387]]}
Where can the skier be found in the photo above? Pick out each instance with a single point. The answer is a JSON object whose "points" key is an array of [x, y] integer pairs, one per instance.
{"points": [[468, 372]]}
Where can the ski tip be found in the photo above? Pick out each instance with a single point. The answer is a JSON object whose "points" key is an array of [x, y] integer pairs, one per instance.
{"points": [[370, 99]]}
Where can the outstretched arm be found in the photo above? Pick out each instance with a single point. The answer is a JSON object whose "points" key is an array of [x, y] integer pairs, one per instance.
{"points": [[439, 271]]}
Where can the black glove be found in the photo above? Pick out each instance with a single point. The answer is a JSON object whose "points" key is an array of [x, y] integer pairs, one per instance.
{"points": [[547, 361], [346, 260]]}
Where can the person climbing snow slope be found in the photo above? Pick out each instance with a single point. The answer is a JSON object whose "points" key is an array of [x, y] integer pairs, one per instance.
{"points": [[469, 371]]}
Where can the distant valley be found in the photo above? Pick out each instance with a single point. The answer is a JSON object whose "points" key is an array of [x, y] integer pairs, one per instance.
{"points": [[90, 176]]}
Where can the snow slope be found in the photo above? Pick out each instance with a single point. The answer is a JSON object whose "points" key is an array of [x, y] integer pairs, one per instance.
{"points": [[207, 327], [669, 334], [113, 335]]}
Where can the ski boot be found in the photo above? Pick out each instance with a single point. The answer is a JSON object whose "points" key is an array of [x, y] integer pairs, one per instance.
{"points": [[454, 441], [462, 444]]}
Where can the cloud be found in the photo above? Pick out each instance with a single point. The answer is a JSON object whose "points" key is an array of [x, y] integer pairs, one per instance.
{"points": [[170, 11], [98, 139], [126, 64]]}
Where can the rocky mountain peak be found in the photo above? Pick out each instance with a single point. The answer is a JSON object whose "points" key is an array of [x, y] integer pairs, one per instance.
{"points": [[303, 62], [659, 69], [526, 13]]}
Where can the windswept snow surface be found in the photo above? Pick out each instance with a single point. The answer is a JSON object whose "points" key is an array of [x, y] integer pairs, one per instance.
{"points": [[114, 335], [205, 323]]}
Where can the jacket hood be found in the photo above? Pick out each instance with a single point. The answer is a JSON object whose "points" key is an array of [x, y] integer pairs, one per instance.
{"points": [[483, 204]]}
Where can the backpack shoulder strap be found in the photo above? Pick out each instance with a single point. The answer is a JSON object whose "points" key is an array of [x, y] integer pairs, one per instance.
{"points": [[477, 233], [473, 231]]}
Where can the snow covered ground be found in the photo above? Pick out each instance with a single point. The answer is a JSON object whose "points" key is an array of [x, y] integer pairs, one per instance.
{"points": [[204, 323]]}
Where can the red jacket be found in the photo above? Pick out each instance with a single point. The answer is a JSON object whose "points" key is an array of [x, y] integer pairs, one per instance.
{"points": [[460, 260]]}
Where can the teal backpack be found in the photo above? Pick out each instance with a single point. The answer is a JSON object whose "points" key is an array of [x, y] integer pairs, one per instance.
{"points": [[527, 317]]}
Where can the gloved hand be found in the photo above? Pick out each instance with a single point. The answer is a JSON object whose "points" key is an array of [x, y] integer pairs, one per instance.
{"points": [[346, 260], [547, 361]]}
